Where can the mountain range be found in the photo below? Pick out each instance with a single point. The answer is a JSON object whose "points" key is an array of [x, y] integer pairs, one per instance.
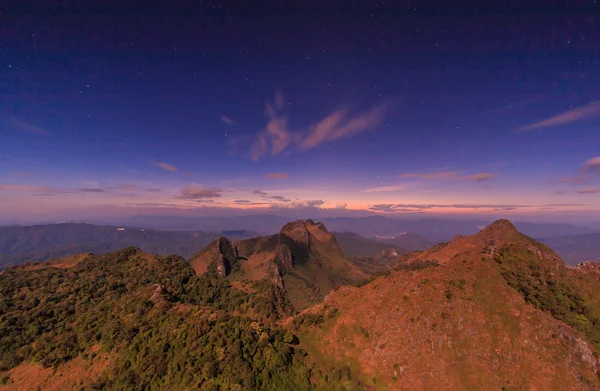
{"points": [[493, 310]]}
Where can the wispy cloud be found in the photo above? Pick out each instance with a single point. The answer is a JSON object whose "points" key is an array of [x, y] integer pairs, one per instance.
{"points": [[446, 175], [166, 167], [591, 109], [276, 175], [592, 164], [277, 136], [199, 192], [574, 180], [91, 190], [259, 192], [452, 176], [382, 189], [153, 190], [481, 177], [44, 191], [24, 126], [23, 173], [226, 120], [126, 187], [589, 190]]}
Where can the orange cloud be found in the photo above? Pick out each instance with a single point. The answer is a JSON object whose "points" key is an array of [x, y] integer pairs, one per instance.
{"points": [[166, 167], [586, 111]]}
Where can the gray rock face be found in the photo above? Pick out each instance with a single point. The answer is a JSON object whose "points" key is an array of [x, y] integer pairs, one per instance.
{"points": [[228, 254], [272, 274]]}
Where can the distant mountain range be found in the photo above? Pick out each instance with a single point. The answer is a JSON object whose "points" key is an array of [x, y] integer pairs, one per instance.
{"points": [[432, 229], [43, 242], [20, 244]]}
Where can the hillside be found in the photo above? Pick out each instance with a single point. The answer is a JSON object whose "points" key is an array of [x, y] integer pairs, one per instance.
{"points": [[303, 259], [496, 310], [44, 242], [130, 320]]}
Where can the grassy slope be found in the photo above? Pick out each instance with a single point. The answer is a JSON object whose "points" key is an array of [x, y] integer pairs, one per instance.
{"points": [[456, 326]]}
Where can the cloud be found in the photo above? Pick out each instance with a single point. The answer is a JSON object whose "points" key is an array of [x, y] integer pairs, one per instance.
{"points": [[589, 190], [25, 127], [445, 175], [452, 176], [166, 167], [560, 192], [574, 180], [277, 198], [153, 190], [314, 202], [276, 175], [126, 187], [481, 177], [259, 192], [241, 202], [227, 121], [43, 191], [582, 112], [199, 192], [276, 137], [91, 190], [592, 164], [382, 189], [420, 207]]}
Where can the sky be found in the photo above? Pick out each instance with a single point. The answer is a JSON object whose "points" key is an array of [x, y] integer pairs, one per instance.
{"points": [[336, 108]]}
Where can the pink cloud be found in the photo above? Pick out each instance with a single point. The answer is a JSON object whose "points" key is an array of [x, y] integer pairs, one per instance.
{"points": [[276, 175], [452, 176], [592, 164], [277, 137], [166, 167], [591, 109], [199, 192], [589, 190]]}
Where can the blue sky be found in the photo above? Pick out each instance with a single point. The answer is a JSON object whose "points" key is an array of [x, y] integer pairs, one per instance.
{"points": [[338, 109]]}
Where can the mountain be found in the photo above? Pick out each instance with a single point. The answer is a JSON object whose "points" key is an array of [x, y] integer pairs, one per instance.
{"points": [[129, 320], [432, 229], [495, 310], [43, 242], [303, 259], [355, 245], [490, 311], [575, 249]]}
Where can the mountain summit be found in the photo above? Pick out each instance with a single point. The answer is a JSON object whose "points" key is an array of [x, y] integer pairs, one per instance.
{"points": [[303, 259], [495, 310]]}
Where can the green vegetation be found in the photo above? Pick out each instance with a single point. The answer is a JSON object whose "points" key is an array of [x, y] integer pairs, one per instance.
{"points": [[549, 290], [163, 326]]}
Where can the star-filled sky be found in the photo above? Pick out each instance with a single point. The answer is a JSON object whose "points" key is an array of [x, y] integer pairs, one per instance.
{"points": [[334, 108]]}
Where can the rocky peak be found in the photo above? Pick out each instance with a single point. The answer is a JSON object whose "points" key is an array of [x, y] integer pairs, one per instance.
{"points": [[297, 231], [500, 230]]}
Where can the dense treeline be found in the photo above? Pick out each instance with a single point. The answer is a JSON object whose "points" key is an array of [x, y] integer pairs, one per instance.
{"points": [[167, 327]]}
